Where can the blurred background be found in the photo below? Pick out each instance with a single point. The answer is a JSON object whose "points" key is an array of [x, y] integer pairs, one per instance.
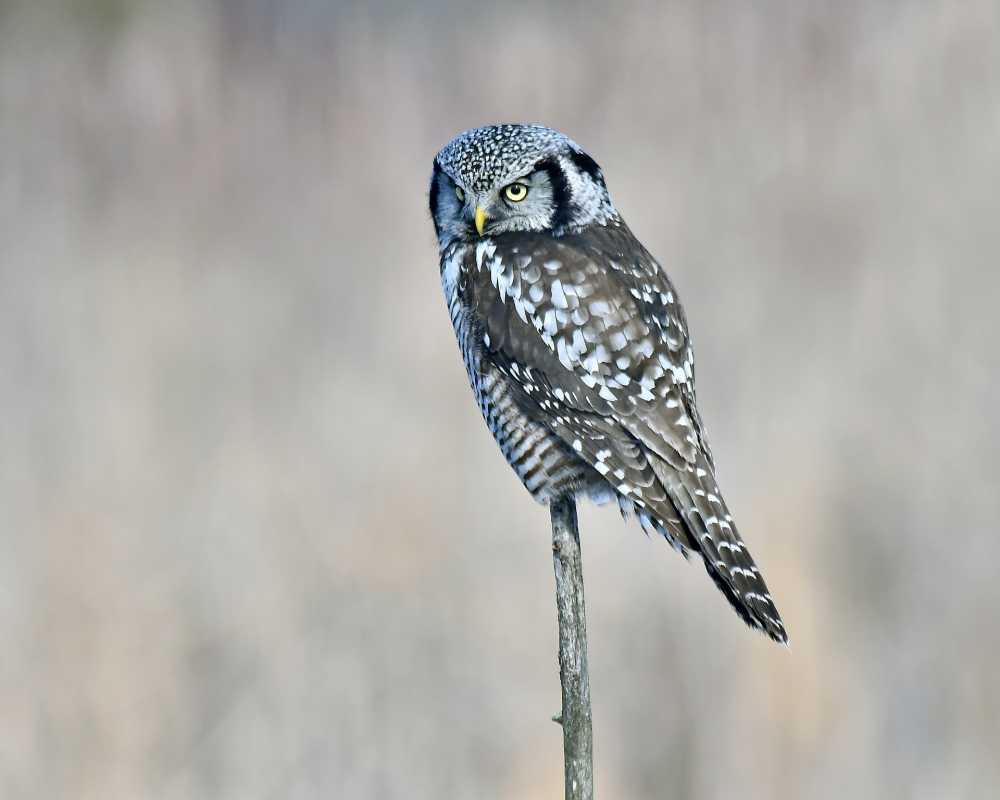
{"points": [[256, 540]]}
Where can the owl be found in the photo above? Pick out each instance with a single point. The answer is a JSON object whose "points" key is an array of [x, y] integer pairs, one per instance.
{"points": [[577, 347]]}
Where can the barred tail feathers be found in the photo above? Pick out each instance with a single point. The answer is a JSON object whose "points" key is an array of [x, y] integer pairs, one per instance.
{"points": [[698, 501]]}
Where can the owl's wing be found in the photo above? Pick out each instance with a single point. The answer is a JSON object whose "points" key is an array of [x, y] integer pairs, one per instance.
{"points": [[591, 330], [604, 319]]}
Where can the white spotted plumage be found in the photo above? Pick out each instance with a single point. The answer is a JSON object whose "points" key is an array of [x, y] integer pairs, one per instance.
{"points": [[577, 348]]}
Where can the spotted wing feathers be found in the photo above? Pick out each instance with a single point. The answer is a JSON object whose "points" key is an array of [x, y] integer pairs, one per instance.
{"points": [[591, 331]]}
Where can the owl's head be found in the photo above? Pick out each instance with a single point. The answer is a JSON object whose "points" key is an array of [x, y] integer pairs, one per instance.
{"points": [[502, 178]]}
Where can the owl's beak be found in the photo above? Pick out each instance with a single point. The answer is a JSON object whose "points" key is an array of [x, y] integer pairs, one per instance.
{"points": [[480, 220]]}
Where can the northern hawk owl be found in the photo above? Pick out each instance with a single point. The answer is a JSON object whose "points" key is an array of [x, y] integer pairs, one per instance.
{"points": [[577, 346]]}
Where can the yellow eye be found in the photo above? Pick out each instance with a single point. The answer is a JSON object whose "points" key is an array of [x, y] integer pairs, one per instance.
{"points": [[516, 192], [460, 194]]}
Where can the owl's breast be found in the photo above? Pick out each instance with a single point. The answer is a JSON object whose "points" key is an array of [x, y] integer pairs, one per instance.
{"points": [[542, 461]]}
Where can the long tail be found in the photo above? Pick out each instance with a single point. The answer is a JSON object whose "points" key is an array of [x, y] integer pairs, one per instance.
{"points": [[697, 501], [684, 504]]}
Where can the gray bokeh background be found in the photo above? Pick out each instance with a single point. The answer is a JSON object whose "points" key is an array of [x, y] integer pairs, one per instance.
{"points": [[256, 540]]}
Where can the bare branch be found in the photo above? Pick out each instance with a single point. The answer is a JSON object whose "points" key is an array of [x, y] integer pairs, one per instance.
{"points": [[576, 717]]}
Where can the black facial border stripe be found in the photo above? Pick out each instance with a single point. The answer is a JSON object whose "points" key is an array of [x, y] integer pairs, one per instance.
{"points": [[433, 199], [562, 196]]}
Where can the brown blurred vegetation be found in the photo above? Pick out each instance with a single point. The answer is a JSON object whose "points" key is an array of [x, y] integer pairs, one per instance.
{"points": [[256, 539]]}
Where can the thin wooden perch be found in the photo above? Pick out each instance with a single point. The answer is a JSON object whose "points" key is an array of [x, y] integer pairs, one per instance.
{"points": [[578, 737]]}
